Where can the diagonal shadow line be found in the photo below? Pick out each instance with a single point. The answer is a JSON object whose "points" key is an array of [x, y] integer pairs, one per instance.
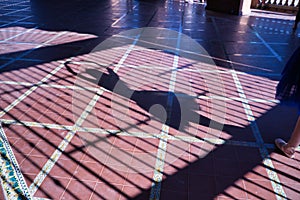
{"points": [[73, 71], [284, 174], [287, 164], [51, 119], [42, 83], [50, 53], [113, 86], [278, 172], [38, 167], [263, 187], [73, 159], [48, 142], [198, 164], [76, 147]]}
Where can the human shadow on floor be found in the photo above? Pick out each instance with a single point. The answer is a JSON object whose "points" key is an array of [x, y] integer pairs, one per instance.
{"points": [[221, 168], [175, 110]]}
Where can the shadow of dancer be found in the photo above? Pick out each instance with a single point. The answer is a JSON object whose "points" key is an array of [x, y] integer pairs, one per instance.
{"points": [[175, 110]]}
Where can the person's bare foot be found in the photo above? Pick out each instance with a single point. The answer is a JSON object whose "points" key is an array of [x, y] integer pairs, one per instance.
{"points": [[282, 146]]}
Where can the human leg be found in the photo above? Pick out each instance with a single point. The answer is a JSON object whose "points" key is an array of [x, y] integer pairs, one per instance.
{"points": [[289, 148]]}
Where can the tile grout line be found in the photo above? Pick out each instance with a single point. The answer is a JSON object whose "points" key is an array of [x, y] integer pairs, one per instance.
{"points": [[133, 134], [63, 145], [16, 21], [19, 34], [278, 57], [22, 97], [277, 188], [276, 184], [12, 179], [14, 4], [32, 49], [92, 89], [7, 24], [29, 91], [18, 10], [58, 153], [163, 138], [12, 105], [161, 152]]}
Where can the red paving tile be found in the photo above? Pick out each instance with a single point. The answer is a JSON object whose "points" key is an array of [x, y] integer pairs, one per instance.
{"points": [[116, 149], [259, 189], [236, 191], [12, 50], [130, 191], [75, 149], [62, 78], [257, 173], [79, 189], [143, 162], [64, 168], [55, 136], [33, 38], [114, 175], [33, 164], [70, 37], [146, 145], [105, 191], [258, 87], [139, 180], [28, 72], [52, 188], [44, 105], [27, 145], [88, 171], [6, 34]]}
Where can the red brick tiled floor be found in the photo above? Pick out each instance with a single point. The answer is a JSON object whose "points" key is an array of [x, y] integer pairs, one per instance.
{"points": [[165, 122]]}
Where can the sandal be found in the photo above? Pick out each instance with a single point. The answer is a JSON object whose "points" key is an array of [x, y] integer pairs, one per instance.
{"points": [[282, 146]]}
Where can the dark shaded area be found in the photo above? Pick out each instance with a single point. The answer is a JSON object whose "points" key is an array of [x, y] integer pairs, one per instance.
{"points": [[48, 54], [168, 101], [82, 16], [88, 16], [211, 175], [226, 6]]}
